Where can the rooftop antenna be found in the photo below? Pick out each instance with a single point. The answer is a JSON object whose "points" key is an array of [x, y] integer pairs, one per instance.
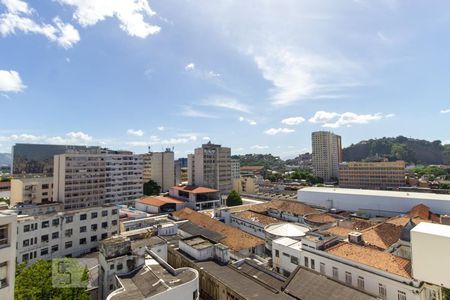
{"points": [[149, 149]]}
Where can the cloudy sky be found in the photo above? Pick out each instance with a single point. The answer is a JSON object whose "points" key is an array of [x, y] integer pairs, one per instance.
{"points": [[258, 76]]}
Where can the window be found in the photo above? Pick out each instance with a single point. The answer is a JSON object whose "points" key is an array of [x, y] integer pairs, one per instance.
{"points": [[104, 213], [55, 235], [105, 225], [114, 222], [69, 232], [335, 273], [4, 240], [26, 228], [382, 291], [348, 278], [83, 217], [93, 238], [55, 222], [94, 215], [45, 224], [68, 244], [54, 248], [401, 295], [360, 283], [3, 275], [111, 267], [313, 264], [285, 254], [83, 229], [119, 267], [306, 262], [104, 236], [195, 295], [26, 243], [294, 260], [44, 251], [277, 253], [44, 238], [83, 241], [69, 219], [114, 212], [94, 227], [25, 257], [322, 268]]}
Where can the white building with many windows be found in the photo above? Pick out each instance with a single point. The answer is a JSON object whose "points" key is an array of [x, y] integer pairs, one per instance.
{"points": [[8, 235], [69, 233]]}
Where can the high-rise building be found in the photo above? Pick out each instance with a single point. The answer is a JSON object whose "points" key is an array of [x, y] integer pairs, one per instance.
{"points": [[37, 158], [8, 238], [97, 176], [210, 166], [235, 169], [372, 175], [326, 154], [160, 167]]}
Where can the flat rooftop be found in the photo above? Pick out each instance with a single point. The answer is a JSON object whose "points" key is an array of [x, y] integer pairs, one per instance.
{"points": [[198, 242], [433, 229]]}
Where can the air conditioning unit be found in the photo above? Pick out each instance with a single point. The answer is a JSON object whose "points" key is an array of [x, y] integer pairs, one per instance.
{"points": [[355, 237]]}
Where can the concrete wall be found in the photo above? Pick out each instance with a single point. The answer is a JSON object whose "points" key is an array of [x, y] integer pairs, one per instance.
{"points": [[8, 253]]}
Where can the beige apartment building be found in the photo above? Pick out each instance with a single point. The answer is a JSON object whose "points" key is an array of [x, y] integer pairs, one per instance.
{"points": [[372, 175], [160, 167], [97, 176], [326, 154], [210, 166], [37, 190], [246, 184], [8, 237]]}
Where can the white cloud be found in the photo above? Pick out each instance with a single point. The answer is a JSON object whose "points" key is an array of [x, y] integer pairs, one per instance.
{"points": [[10, 81], [293, 120], [18, 18], [206, 138], [445, 111], [73, 137], [249, 121], [259, 147], [161, 128], [336, 120], [274, 131], [134, 132], [190, 67], [188, 111], [130, 13], [227, 102], [155, 140]]}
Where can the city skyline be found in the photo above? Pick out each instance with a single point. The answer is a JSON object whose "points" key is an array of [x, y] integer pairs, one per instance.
{"points": [[257, 79]]}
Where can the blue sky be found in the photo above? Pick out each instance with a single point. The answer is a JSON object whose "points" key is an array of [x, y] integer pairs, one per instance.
{"points": [[258, 76]]}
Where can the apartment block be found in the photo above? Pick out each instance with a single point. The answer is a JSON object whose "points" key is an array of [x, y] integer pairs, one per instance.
{"points": [[8, 236], [326, 154], [235, 169], [210, 166], [160, 167], [70, 233], [37, 190], [97, 176], [372, 175]]}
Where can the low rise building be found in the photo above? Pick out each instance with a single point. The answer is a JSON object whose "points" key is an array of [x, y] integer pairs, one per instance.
{"points": [[252, 222], [31, 190], [246, 185], [159, 204], [69, 233], [8, 239], [197, 198]]}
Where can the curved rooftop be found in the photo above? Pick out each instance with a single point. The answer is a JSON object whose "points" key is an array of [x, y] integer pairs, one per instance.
{"points": [[286, 229]]}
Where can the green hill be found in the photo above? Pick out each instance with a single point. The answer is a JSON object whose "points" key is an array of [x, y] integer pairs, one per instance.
{"points": [[408, 149]]}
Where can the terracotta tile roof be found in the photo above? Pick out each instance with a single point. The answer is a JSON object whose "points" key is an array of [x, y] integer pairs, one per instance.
{"points": [[320, 218], [371, 257], [402, 220], [423, 212], [339, 231], [257, 217], [382, 235], [159, 200], [195, 189], [356, 225], [291, 206], [234, 238]]}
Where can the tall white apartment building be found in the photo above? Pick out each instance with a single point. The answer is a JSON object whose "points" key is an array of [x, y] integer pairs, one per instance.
{"points": [[8, 235], [326, 154], [69, 233], [36, 190], [160, 167], [235, 169], [210, 166], [97, 176]]}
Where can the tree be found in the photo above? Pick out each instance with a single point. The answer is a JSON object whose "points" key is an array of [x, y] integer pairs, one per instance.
{"points": [[151, 188], [35, 282], [234, 199]]}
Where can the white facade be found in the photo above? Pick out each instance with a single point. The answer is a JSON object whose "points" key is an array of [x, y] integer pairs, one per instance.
{"points": [[8, 236], [326, 154], [96, 177], [31, 190], [235, 169], [430, 245], [160, 167], [61, 234], [389, 203]]}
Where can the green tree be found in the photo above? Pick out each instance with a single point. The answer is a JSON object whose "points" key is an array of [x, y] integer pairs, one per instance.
{"points": [[34, 282], [445, 294], [234, 199], [151, 188]]}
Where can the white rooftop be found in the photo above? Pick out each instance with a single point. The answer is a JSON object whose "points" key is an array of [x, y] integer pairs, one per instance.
{"points": [[286, 229], [360, 192], [288, 242], [433, 229]]}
